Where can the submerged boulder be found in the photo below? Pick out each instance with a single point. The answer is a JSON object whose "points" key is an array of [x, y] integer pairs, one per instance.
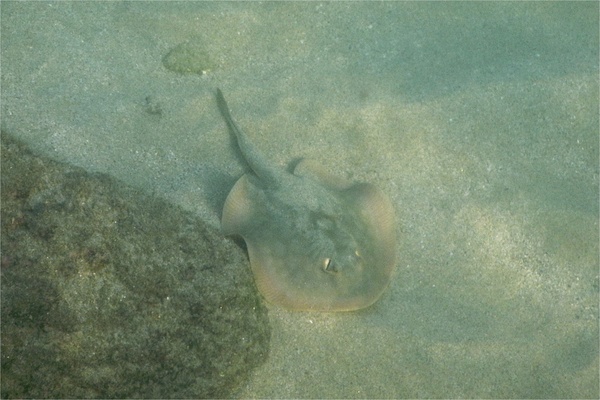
{"points": [[108, 292]]}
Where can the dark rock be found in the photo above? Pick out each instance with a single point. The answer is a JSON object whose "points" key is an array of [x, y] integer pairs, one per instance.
{"points": [[108, 292]]}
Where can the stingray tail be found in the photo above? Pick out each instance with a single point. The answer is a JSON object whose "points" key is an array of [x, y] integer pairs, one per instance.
{"points": [[259, 164]]}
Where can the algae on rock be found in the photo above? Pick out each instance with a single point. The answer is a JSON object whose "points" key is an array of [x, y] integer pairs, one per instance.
{"points": [[189, 57], [108, 292]]}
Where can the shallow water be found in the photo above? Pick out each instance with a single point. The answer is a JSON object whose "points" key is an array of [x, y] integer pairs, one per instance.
{"points": [[479, 120]]}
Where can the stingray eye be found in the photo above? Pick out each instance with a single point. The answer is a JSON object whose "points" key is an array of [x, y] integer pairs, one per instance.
{"points": [[329, 266]]}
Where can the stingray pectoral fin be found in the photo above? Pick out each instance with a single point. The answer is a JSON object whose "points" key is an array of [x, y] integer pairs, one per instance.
{"points": [[267, 267], [316, 171], [287, 281], [238, 212], [376, 211]]}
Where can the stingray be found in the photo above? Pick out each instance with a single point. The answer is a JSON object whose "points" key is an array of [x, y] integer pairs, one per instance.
{"points": [[315, 241]]}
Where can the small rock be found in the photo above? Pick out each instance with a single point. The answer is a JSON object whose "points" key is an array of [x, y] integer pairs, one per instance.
{"points": [[188, 57]]}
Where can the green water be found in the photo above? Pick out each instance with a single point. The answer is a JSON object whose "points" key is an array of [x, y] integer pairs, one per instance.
{"points": [[479, 120]]}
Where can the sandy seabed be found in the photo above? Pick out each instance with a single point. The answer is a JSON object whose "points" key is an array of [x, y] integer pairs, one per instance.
{"points": [[480, 121]]}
